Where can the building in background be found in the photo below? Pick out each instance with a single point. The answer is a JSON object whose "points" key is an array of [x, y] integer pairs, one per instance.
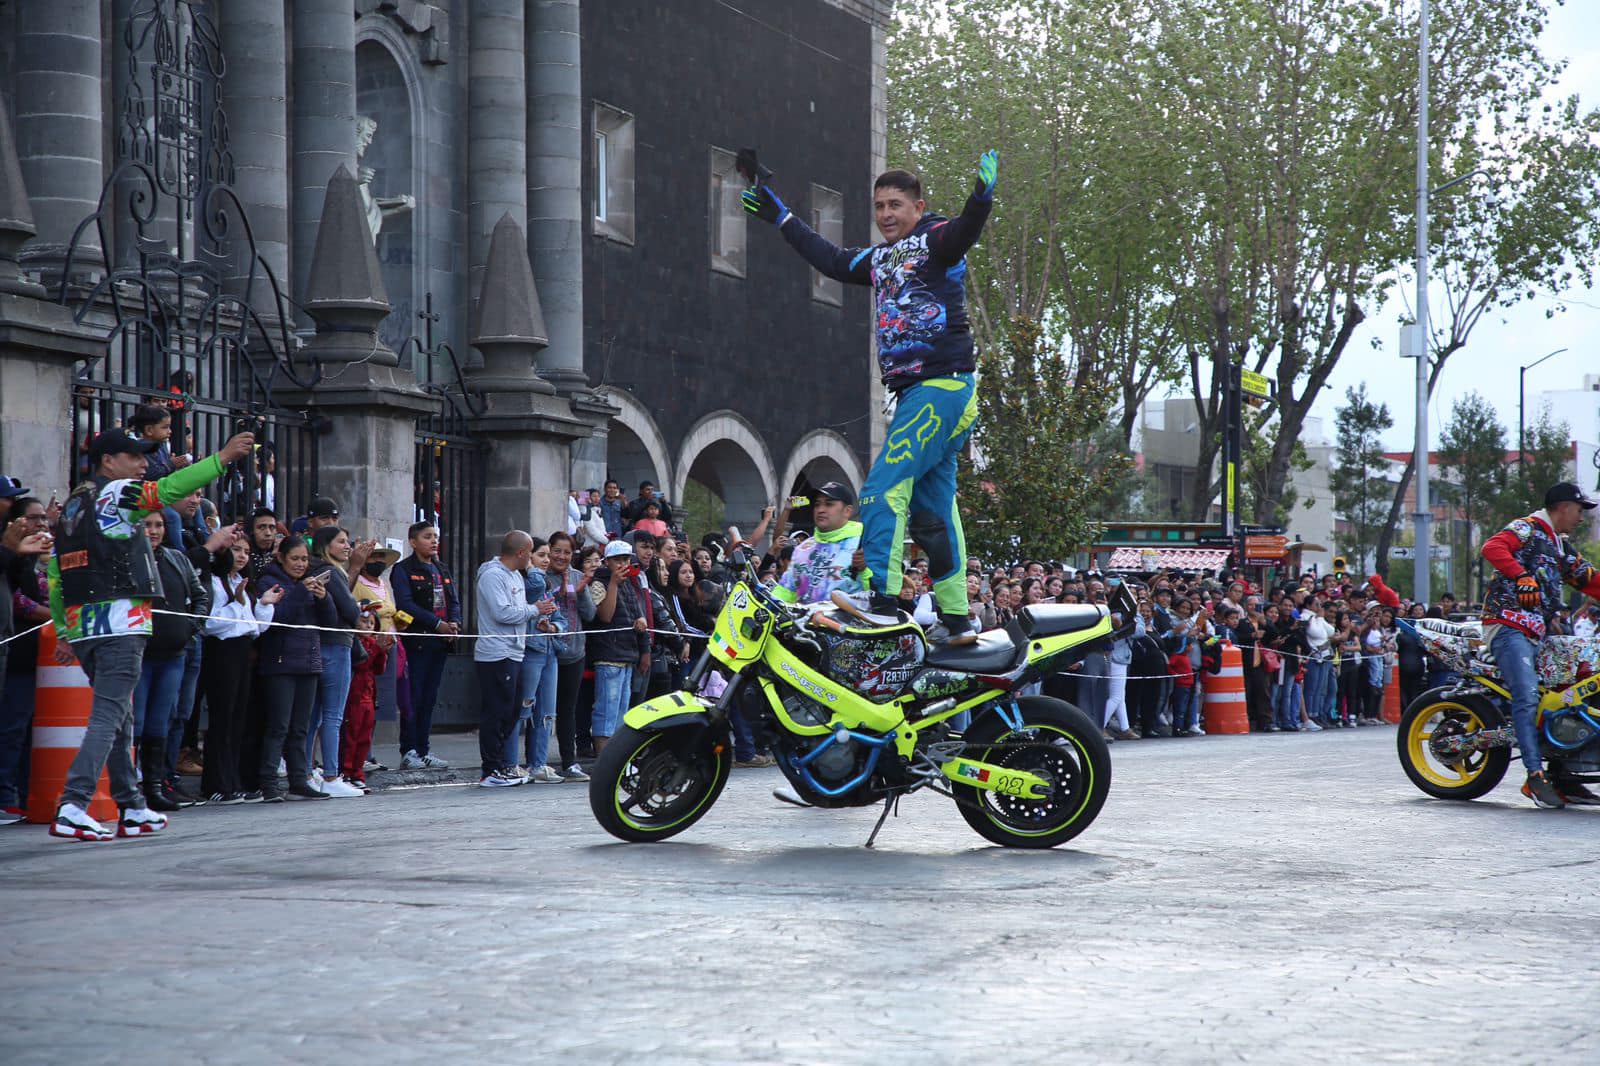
{"points": [[631, 323]]}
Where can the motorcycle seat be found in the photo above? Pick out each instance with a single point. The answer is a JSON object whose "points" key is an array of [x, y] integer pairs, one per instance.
{"points": [[1053, 619], [993, 653]]}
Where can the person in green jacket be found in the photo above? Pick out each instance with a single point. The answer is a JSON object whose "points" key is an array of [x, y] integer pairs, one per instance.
{"points": [[102, 578]]}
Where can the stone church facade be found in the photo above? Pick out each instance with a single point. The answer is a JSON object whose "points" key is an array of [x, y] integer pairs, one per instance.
{"points": [[452, 257]]}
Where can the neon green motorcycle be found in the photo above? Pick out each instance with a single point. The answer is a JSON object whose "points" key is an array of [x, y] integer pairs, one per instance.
{"points": [[859, 709]]}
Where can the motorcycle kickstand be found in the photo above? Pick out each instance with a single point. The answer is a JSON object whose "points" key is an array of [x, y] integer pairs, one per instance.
{"points": [[891, 802]]}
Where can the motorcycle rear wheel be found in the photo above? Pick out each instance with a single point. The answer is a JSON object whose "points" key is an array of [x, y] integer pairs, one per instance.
{"points": [[1059, 742], [651, 786], [1468, 778]]}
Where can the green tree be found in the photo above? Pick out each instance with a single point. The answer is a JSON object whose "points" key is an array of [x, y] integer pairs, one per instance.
{"points": [[1546, 459], [1031, 485], [1359, 488], [1472, 458]]}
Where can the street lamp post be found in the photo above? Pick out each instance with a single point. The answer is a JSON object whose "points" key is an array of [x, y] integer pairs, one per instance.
{"points": [[1421, 578], [1522, 392]]}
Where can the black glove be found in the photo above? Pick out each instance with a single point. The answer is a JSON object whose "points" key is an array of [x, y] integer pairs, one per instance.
{"points": [[763, 203]]}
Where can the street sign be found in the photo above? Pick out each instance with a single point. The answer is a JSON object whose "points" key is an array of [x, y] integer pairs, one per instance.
{"points": [[1255, 384], [1435, 551], [1272, 548], [1262, 531]]}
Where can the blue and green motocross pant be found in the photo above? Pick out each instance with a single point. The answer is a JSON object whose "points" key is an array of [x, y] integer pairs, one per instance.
{"points": [[912, 489]]}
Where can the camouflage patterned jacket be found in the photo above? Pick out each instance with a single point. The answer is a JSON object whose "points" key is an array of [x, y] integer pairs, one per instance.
{"points": [[1531, 546]]}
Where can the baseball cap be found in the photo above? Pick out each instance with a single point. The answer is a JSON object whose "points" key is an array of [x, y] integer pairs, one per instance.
{"points": [[322, 507], [1569, 492], [118, 442], [618, 548], [11, 488], [835, 490]]}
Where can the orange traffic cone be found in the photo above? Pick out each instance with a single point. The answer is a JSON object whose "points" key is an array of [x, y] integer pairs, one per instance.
{"points": [[1225, 710], [1391, 698], [62, 698]]}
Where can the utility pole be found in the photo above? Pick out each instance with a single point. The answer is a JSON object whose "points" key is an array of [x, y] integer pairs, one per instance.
{"points": [[1233, 420], [1421, 587]]}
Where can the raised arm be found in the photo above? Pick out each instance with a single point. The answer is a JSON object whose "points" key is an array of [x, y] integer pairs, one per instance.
{"points": [[851, 265]]}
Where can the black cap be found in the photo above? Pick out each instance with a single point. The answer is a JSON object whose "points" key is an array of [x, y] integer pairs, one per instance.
{"points": [[119, 442], [322, 507], [1569, 492], [835, 490]]}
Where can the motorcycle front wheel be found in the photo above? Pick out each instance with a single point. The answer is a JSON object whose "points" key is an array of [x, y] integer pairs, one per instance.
{"points": [[1437, 714], [1057, 742], [650, 786]]}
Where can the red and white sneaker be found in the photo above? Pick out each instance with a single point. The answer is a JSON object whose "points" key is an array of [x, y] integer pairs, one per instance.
{"points": [[140, 821], [12, 815], [73, 823]]}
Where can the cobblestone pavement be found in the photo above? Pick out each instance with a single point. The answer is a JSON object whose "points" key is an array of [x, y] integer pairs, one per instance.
{"points": [[1274, 898]]}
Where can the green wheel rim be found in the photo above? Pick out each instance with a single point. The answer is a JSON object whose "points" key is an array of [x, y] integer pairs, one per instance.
{"points": [[619, 788], [1085, 766]]}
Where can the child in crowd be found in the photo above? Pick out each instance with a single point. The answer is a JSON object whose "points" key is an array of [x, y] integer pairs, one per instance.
{"points": [[361, 706]]}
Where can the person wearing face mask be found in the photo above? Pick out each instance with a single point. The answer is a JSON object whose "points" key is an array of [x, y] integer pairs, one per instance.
{"points": [[374, 596]]}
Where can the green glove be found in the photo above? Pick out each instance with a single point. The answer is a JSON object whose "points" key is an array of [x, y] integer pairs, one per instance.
{"points": [[763, 203], [988, 171]]}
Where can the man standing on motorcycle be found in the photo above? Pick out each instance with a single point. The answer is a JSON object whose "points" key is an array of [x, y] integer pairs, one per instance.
{"points": [[1534, 557], [926, 359]]}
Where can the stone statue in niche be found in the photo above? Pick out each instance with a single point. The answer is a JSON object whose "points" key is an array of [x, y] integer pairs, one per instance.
{"points": [[378, 207]]}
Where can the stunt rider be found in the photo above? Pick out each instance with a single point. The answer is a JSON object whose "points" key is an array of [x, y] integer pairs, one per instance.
{"points": [[926, 360], [1534, 556]]}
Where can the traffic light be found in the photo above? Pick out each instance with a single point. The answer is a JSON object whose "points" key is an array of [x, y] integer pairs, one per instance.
{"points": [[1340, 565]]}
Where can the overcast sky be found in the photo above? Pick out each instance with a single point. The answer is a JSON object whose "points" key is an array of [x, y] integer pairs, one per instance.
{"points": [[1503, 340]]}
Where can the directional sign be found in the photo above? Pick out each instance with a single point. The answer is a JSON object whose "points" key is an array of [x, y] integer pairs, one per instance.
{"points": [[1255, 384], [1274, 547], [1435, 551]]}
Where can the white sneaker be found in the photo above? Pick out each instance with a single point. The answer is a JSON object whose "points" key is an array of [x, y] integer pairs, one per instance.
{"points": [[433, 762], [1311, 727], [1196, 731], [499, 779], [412, 761], [73, 823], [574, 773], [339, 788], [316, 774], [546, 775], [520, 771], [140, 821]]}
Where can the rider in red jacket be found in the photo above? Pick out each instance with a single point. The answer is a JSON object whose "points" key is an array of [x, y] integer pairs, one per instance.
{"points": [[1533, 558]]}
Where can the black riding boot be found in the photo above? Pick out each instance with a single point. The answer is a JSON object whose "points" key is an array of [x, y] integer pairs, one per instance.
{"points": [[153, 768]]}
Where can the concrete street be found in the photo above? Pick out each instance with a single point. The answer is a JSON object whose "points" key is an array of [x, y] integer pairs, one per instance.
{"points": [[1271, 898]]}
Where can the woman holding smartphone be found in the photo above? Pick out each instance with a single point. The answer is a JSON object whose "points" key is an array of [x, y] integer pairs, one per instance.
{"points": [[289, 665]]}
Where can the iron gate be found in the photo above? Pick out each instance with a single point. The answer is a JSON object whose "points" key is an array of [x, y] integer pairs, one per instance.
{"points": [[449, 464], [181, 267]]}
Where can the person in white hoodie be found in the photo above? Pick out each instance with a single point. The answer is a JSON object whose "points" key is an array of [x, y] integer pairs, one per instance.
{"points": [[503, 615], [1319, 690], [237, 619]]}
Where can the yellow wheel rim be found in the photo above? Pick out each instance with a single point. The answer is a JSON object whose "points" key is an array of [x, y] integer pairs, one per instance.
{"points": [[1453, 774]]}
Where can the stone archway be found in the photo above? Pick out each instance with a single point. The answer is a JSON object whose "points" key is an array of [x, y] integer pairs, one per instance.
{"points": [[635, 448], [820, 456], [726, 458]]}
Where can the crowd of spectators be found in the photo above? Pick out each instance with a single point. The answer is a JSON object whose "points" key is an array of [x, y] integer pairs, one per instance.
{"points": [[573, 628]]}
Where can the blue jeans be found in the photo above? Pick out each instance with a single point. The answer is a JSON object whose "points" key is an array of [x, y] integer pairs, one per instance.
{"points": [[1319, 675], [427, 670], [16, 715], [327, 714], [1513, 653], [1286, 702], [155, 697], [613, 687], [1185, 707], [186, 691], [536, 690]]}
